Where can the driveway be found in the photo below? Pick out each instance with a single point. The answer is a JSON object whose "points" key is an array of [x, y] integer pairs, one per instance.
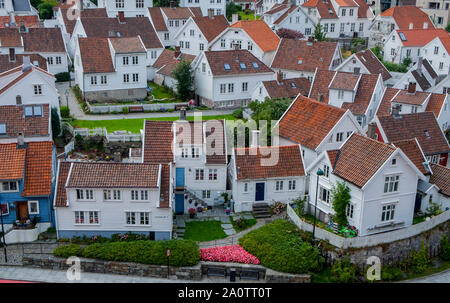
{"points": [[77, 112], [442, 277]]}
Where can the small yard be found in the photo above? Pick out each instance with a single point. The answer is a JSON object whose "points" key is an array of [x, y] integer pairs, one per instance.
{"points": [[204, 231], [162, 92], [248, 15], [242, 224], [134, 125]]}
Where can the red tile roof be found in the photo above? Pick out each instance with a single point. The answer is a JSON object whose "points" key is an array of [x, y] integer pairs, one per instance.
{"points": [[268, 162], [404, 15], [412, 150], [44, 40], [13, 116], [38, 172], [211, 27], [385, 104], [308, 122], [416, 125], [113, 175], [157, 19], [360, 158], [441, 178], [321, 81], [286, 13], [435, 103], [127, 45], [312, 55], [420, 37], [158, 142], [345, 81], [234, 58], [63, 172], [287, 88], [418, 98], [178, 12], [95, 55], [165, 189], [371, 62], [29, 21], [364, 93], [18, 76], [260, 33], [12, 162], [6, 64], [166, 62], [86, 13], [446, 42], [326, 9]]}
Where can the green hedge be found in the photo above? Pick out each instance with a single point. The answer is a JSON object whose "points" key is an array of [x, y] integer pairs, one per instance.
{"points": [[65, 112], [184, 253], [62, 77], [68, 251], [279, 246]]}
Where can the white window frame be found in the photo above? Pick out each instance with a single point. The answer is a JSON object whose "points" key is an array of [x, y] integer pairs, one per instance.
{"points": [[279, 185], [321, 189], [350, 210], [199, 174], [7, 209], [212, 174], [9, 186], [245, 189], [388, 212], [390, 184], [37, 89], [292, 185]]}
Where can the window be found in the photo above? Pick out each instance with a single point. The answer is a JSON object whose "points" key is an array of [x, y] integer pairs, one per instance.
{"points": [[4, 209], [195, 152], [249, 46], [324, 195], [110, 195], [394, 161], [139, 3], [392, 51], [2, 129], [87, 194], [202, 46], [230, 87], [134, 195], [341, 94], [37, 110], [332, 27], [441, 65], [166, 36], [187, 45], [361, 27], [245, 86], [291, 184], [413, 109], [342, 27], [350, 12], [433, 159], [50, 60], [349, 210], [391, 184], [144, 218], [245, 187], [206, 194], [153, 54], [125, 60], [436, 50], [387, 213], [326, 171], [126, 78], [37, 89], [408, 53], [223, 88], [199, 174], [343, 12], [93, 217], [93, 80], [227, 66], [2, 3], [79, 217], [325, 28], [352, 27], [119, 3], [222, 43], [135, 60], [135, 77], [10, 186], [339, 137], [308, 31], [279, 185], [192, 32], [103, 80], [212, 174], [131, 218]]}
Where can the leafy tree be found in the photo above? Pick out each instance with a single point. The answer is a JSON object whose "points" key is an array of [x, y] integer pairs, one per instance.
{"points": [[46, 9], [319, 35], [433, 208], [184, 75], [56, 123], [406, 62], [447, 28], [377, 52], [164, 3], [289, 34], [231, 9], [445, 247], [35, 3], [341, 198]]}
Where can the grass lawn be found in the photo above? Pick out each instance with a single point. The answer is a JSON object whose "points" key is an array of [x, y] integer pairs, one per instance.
{"points": [[245, 16], [248, 223], [134, 125], [204, 231], [160, 92]]}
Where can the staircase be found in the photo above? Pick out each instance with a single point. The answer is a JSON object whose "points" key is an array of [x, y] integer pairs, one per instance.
{"points": [[261, 210], [194, 198]]}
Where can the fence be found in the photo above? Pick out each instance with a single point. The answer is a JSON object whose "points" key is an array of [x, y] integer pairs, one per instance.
{"points": [[372, 240], [104, 109]]}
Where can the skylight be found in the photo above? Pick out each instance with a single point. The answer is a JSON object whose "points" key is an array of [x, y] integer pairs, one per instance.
{"points": [[402, 36], [28, 111], [243, 66], [2, 128], [255, 65], [300, 61], [293, 84], [427, 134], [227, 66]]}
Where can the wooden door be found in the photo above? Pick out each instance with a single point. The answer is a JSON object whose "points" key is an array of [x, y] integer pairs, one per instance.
{"points": [[22, 210]]}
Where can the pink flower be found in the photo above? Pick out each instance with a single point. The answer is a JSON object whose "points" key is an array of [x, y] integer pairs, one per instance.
{"points": [[231, 253]]}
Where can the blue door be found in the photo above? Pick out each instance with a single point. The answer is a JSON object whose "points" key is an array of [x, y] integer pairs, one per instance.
{"points": [[259, 195], [179, 182], [179, 204]]}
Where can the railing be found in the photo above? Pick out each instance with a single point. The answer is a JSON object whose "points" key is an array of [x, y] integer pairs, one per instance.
{"points": [[116, 136], [371, 240]]}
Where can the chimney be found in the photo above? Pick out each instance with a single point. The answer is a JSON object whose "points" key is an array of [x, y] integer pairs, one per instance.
{"points": [[81, 5], [279, 77], [211, 13], [22, 28], [21, 141], [255, 138], [371, 127], [172, 4], [234, 18], [12, 19], [121, 16], [177, 52], [419, 65], [396, 110], [12, 54], [117, 156], [26, 64], [412, 88], [425, 25], [183, 114], [411, 25]]}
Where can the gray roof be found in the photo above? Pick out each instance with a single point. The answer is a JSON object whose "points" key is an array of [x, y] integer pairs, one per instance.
{"points": [[423, 186], [21, 5]]}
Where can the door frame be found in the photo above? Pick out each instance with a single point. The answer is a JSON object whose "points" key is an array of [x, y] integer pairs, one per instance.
{"points": [[263, 191], [23, 204]]}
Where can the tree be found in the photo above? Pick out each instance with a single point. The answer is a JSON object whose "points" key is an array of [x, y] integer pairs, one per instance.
{"points": [[341, 198], [231, 9], [319, 35], [289, 34], [447, 28], [164, 3], [56, 123], [184, 75], [46, 8]]}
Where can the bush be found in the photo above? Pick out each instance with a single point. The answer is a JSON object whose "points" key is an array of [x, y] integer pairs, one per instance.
{"points": [[184, 253], [280, 247], [125, 110], [65, 111], [343, 272], [77, 92], [68, 251], [232, 253], [62, 77], [51, 230], [445, 248], [277, 208], [238, 113], [391, 273], [420, 260]]}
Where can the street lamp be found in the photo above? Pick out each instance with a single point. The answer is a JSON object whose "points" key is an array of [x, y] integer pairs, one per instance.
{"points": [[318, 173], [67, 97]]}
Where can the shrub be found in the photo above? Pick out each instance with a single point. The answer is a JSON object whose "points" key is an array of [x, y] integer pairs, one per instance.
{"points": [[433, 209], [420, 260], [277, 208], [125, 110], [77, 92], [68, 251], [184, 253], [232, 253], [445, 248], [391, 273], [280, 247], [51, 230], [238, 113], [62, 77], [300, 204], [63, 240], [343, 272], [65, 111]]}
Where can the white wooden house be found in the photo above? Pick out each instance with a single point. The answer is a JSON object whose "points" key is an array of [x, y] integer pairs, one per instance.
{"points": [[131, 8], [217, 7]]}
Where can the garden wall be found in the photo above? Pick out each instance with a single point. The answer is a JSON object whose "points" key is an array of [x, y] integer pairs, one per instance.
{"points": [[104, 109], [390, 247]]}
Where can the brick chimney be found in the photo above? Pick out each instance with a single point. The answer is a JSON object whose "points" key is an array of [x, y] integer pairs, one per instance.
{"points": [[411, 25], [21, 141], [425, 25], [26, 63], [211, 13], [371, 130], [22, 27], [234, 18], [412, 88], [177, 52], [172, 4], [279, 77], [81, 5], [121, 16], [12, 54]]}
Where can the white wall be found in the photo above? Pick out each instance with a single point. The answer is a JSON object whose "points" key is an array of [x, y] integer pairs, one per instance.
{"points": [[440, 61], [129, 8], [217, 5], [194, 41]]}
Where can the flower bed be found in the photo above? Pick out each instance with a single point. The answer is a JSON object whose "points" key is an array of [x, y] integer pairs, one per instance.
{"points": [[232, 253]]}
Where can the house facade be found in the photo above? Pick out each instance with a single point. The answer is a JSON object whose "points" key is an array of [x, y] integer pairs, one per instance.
{"points": [[281, 88], [215, 6], [102, 199], [382, 187], [422, 74], [131, 8], [437, 52]]}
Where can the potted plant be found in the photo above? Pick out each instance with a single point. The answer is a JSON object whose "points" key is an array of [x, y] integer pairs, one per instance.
{"points": [[199, 209], [191, 213]]}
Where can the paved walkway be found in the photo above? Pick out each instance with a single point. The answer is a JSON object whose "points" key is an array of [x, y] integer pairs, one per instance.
{"points": [[77, 112], [442, 277]]}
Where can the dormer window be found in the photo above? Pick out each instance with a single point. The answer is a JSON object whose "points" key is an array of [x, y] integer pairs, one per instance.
{"points": [[227, 66], [243, 66], [2, 129], [255, 65], [427, 134]]}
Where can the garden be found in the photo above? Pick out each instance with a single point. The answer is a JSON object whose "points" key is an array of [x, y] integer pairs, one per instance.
{"points": [[204, 231]]}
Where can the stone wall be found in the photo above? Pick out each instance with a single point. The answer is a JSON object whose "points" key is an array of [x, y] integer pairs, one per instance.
{"points": [[117, 94], [278, 277], [120, 147]]}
